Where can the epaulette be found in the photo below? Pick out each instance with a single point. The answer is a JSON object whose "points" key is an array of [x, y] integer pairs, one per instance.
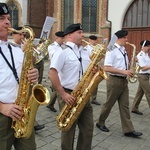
{"points": [[84, 49], [141, 54], [52, 44], [111, 48], [63, 46], [15, 45]]}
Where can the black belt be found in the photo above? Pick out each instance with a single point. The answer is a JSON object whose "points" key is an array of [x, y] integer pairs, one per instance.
{"points": [[69, 90], [144, 74], [121, 77]]}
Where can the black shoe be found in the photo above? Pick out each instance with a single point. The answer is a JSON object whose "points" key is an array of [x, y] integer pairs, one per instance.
{"points": [[137, 112], [39, 127], [53, 109], [95, 102], [103, 128], [133, 134]]}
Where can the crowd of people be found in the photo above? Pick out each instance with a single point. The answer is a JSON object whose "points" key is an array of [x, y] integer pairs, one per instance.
{"points": [[64, 75]]}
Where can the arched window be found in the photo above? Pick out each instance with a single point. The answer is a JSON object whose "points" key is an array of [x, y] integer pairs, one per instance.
{"points": [[67, 13], [90, 15], [138, 14], [14, 14]]}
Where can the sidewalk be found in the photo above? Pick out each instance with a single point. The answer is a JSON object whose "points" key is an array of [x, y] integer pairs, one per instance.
{"points": [[49, 137]]}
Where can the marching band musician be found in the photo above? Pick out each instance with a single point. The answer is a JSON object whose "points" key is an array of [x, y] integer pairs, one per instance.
{"points": [[89, 48], [116, 64], [18, 41], [143, 76], [18, 38], [53, 48], [70, 64], [11, 59]]}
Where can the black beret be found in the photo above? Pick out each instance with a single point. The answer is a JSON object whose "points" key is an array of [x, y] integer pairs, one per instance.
{"points": [[145, 43], [59, 34], [18, 29], [121, 33], [3, 9], [72, 28], [93, 37]]}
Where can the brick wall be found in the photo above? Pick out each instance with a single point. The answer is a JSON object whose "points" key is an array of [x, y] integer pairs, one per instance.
{"points": [[39, 9]]}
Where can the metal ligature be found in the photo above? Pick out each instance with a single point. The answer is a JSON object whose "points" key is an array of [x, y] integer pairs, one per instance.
{"points": [[83, 91], [29, 96]]}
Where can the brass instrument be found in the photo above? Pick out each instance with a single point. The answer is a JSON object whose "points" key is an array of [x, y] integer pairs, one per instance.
{"points": [[133, 65], [41, 50], [82, 92], [28, 101]]}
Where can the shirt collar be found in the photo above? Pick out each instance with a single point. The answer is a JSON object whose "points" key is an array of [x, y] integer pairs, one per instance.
{"points": [[3, 42], [74, 46]]}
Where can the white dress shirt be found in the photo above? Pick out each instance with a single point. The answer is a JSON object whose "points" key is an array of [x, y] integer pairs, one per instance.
{"points": [[67, 63], [8, 83], [143, 60], [115, 58], [52, 48]]}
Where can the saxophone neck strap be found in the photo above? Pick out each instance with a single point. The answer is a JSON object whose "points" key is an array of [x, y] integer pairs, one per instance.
{"points": [[124, 55], [79, 58], [13, 64]]}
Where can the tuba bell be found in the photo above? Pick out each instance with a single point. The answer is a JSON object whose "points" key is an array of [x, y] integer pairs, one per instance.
{"points": [[41, 50]]}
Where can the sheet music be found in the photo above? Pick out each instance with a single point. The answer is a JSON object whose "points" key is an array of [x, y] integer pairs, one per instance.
{"points": [[47, 27]]}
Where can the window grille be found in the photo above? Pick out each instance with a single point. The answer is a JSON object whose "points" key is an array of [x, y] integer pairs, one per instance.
{"points": [[67, 13], [138, 14], [13, 14], [90, 15]]}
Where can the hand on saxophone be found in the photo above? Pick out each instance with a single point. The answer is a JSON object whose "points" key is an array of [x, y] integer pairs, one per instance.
{"points": [[95, 69], [128, 73], [69, 99], [11, 110], [33, 75]]}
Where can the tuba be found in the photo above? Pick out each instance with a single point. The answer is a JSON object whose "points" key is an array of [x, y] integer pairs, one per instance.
{"points": [[133, 66], [41, 50], [29, 96], [83, 91]]}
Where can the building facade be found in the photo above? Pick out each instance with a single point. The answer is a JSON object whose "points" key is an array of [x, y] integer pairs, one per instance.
{"points": [[98, 17]]}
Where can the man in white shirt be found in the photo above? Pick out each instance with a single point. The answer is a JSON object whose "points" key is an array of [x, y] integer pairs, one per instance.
{"points": [[143, 76], [116, 64], [11, 59], [66, 70], [52, 49], [89, 48]]}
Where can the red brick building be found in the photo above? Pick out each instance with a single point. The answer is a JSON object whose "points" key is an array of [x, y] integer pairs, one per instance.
{"points": [[70, 11]]}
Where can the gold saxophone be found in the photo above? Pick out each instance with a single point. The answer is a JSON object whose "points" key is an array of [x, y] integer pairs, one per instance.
{"points": [[41, 50], [83, 91], [133, 66], [27, 99]]}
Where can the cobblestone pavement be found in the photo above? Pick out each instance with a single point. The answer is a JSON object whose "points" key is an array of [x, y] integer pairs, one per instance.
{"points": [[49, 137]]}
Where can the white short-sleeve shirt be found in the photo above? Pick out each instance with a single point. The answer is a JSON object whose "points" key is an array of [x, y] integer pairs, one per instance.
{"points": [[67, 63], [143, 60], [115, 58], [89, 49], [8, 83], [52, 48]]}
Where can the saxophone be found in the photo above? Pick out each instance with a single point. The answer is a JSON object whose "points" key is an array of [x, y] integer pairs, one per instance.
{"points": [[27, 99], [133, 66], [83, 91]]}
